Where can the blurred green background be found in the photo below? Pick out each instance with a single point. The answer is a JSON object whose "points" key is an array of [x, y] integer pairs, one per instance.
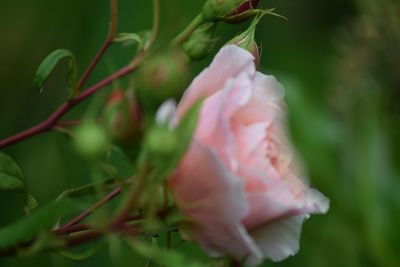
{"points": [[338, 59]]}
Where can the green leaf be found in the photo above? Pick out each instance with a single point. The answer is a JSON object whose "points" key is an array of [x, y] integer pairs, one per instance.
{"points": [[48, 65], [11, 176], [13, 179], [167, 258], [41, 219], [10, 183]]}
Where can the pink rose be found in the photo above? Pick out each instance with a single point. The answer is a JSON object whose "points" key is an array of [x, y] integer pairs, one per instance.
{"points": [[239, 184]]}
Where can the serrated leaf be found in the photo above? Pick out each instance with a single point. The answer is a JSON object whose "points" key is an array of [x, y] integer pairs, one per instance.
{"points": [[39, 220], [81, 255], [167, 258], [50, 62]]}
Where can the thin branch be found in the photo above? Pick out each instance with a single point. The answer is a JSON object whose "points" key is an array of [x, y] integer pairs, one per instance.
{"points": [[112, 32], [51, 121], [187, 32], [67, 124], [71, 229], [90, 210]]}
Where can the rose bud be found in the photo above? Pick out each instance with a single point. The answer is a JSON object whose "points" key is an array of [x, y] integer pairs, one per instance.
{"points": [[123, 117], [231, 11], [246, 40], [201, 42], [91, 141], [240, 184], [162, 76]]}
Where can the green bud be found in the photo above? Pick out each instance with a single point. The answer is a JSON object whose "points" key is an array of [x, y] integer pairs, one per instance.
{"points": [[91, 141], [201, 42], [231, 11], [161, 141], [163, 76]]}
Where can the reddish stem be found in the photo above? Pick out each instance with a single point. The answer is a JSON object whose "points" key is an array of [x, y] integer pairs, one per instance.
{"points": [[90, 210], [51, 121], [94, 62], [71, 229]]}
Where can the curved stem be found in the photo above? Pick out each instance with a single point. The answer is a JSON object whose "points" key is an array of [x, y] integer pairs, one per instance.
{"points": [[51, 121], [185, 34], [156, 24]]}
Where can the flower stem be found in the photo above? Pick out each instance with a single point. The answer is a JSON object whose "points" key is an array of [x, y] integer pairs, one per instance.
{"points": [[187, 32], [112, 32], [156, 24]]}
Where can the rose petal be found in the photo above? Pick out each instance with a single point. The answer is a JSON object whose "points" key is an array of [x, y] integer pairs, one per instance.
{"points": [[230, 61], [266, 104], [214, 200], [316, 202], [215, 124], [279, 239]]}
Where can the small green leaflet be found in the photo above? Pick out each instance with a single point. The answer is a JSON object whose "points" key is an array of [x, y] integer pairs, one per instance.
{"points": [[41, 219], [49, 63], [13, 179], [11, 176]]}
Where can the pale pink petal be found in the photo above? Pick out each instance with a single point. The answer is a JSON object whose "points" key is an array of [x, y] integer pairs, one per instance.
{"points": [[266, 87], [230, 61], [282, 200], [316, 202], [266, 104], [266, 207], [215, 125], [279, 239], [213, 199], [250, 141]]}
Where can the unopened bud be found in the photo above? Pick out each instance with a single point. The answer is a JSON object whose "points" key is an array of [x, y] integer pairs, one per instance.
{"points": [[161, 141], [122, 116], [162, 77], [201, 42], [231, 11], [91, 140], [246, 39]]}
